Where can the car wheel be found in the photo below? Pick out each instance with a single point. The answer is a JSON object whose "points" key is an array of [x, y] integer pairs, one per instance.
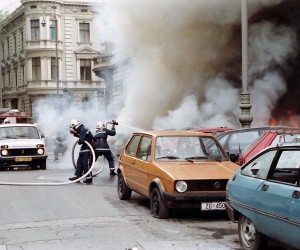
{"points": [[250, 238], [43, 164], [124, 192], [159, 208]]}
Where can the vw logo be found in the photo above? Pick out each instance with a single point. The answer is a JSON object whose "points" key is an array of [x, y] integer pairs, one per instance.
{"points": [[217, 185]]}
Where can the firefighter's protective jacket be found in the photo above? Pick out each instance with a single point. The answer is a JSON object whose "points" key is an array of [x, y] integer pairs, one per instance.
{"points": [[100, 138], [84, 134]]}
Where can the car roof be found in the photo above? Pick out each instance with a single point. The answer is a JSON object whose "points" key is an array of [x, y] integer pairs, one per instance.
{"points": [[210, 130], [17, 125], [156, 133], [264, 128]]}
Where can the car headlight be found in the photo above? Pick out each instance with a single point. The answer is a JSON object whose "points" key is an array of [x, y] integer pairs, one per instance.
{"points": [[40, 151], [4, 152], [181, 186]]}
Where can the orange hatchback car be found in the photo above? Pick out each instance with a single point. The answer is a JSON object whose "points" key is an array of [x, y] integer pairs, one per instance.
{"points": [[175, 169]]}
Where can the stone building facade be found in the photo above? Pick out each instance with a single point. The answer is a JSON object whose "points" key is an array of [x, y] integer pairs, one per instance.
{"points": [[47, 48]]}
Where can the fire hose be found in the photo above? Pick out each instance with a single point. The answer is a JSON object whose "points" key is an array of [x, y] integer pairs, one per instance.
{"points": [[55, 183], [74, 164]]}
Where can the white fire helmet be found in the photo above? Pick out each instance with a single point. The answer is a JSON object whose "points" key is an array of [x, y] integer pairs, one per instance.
{"points": [[74, 123], [100, 125], [6, 121]]}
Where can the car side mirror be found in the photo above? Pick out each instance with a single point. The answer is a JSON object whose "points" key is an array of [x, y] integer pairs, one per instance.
{"points": [[233, 157]]}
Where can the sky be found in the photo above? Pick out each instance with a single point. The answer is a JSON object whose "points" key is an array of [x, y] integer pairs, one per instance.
{"points": [[9, 6]]}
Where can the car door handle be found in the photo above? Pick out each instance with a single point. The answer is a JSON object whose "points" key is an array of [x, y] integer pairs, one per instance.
{"points": [[133, 162], [264, 187], [296, 194]]}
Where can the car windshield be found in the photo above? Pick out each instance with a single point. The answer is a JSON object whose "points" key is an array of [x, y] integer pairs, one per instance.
{"points": [[188, 148], [19, 132]]}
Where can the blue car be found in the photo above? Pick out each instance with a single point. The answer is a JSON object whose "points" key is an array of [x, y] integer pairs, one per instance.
{"points": [[263, 196]]}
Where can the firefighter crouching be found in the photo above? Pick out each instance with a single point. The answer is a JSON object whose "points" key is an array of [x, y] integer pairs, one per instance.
{"points": [[101, 146], [82, 165]]}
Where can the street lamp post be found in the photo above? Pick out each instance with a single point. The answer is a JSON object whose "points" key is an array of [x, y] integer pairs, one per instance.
{"points": [[245, 105], [56, 55], [54, 25]]}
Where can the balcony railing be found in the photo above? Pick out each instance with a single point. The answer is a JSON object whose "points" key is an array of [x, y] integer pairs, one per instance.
{"points": [[51, 85]]}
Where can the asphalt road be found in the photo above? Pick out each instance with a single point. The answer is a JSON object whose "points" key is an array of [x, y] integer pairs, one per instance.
{"points": [[79, 216]]}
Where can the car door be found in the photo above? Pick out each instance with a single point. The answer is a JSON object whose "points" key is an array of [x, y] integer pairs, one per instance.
{"points": [[253, 176], [142, 165], [279, 214], [127, 160]]}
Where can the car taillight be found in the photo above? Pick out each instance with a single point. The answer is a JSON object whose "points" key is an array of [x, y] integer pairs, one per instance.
{"points": [[240, 161]]}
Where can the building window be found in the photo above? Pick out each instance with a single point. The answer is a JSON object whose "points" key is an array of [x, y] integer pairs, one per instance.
{"points": [[35, 29], [84, 29], [36, 68], [16, 77], [53, 25], [15, 43], [8, 47], [22, 40], [9, 81], [85, 69], [53, 69], [23, 75]]}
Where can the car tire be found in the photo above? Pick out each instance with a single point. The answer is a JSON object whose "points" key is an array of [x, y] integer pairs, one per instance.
{"points": [[250, 238], [124, 192], [43, 165], [158, 205]]}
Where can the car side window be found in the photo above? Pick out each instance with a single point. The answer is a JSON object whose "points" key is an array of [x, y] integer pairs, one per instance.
{"points": [[131, 147], [239, 141], [259, 167], [287, 168], [144, 149]]}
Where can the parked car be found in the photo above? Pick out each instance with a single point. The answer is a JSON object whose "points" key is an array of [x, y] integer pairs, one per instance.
{"points": [[175, 169], [269, 138], [21, 146], [263, 196], [235, 141]]}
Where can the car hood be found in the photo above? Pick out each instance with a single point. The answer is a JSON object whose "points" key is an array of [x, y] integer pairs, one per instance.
{"points": [[21, 143], [199, 170]]}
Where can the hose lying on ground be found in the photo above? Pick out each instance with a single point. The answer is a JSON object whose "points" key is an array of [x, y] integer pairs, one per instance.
{"points": [[74, 164]]}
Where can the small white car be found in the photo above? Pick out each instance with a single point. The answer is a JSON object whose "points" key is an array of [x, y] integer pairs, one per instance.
{"points": [[21, 145]]}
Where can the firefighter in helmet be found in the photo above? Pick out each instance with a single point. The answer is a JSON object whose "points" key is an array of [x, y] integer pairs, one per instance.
{"points": [[101, 146], [6, 121], [82, 166]]}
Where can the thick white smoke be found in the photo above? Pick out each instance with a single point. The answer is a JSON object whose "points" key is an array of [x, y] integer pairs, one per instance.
{"points": [[53, 118], [179, 51]]}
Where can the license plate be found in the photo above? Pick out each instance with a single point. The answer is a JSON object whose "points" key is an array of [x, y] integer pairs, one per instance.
{"points": [[23, 159], [218, 205]]}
